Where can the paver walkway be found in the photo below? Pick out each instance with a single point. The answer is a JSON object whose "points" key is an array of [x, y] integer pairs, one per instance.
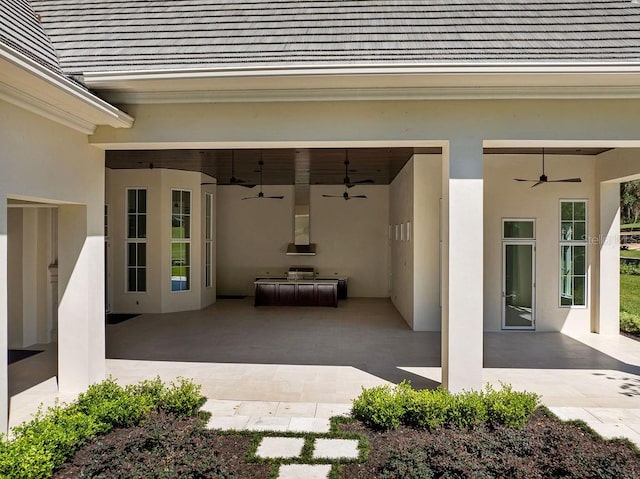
{"points": [[283, 416], [288, 417]]}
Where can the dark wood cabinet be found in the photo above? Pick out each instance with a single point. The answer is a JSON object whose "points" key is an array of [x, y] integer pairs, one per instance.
{"points": [[266, 294], [326, 294], [296, 293]]}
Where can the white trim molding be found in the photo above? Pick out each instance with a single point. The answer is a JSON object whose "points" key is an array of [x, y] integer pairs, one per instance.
{"points": [[370, 82], [37, 88]]}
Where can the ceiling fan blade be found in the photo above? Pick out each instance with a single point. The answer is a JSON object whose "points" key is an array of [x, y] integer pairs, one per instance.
{"points": [[567, 180], [251, 198], [520, 179], [358, 196], [332, 196], [538, 184], [247, 185], [274, 197]]}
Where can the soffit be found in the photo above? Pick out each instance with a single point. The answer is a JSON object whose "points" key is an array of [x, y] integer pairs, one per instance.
{"points": [[326, 166]]}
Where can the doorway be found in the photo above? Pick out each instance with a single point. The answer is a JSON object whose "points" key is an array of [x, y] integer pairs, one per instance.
{"points": [[518, 274]]}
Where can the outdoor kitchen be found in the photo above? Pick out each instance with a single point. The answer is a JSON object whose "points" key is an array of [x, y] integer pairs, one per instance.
{"points": [[300, 287]]}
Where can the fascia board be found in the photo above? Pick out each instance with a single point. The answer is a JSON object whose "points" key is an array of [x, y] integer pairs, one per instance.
{"points": [[53, 95], [482, 81]]}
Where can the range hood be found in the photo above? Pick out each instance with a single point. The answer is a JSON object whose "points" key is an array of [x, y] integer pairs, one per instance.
{"points": [[301, 245]]}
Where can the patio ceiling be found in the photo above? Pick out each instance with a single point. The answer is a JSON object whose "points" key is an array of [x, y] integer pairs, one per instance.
{"points": [[326, 166]]}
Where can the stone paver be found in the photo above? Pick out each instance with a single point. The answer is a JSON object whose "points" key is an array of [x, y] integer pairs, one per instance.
{"points": [[292, 409], [257, 408], [572, 413], [610, 431], [328, 410], [228, 422], [309, 424], [608, 422], [335, 449], [268, 423], [280, 447], [304, 471]]}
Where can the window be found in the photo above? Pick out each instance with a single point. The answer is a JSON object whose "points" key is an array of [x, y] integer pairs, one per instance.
{"points": [[136, 240], [208, 238], [518, 229], [573, 253], [180, 240]]}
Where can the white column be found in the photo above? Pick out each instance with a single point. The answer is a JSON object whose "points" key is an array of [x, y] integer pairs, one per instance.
{"points": [[462, 312], [4, 330], [608, 319], [81, 301], [29, 276]]}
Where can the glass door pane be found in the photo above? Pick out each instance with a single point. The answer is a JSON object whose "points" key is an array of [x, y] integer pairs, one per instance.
{"points": [[518, 293]]}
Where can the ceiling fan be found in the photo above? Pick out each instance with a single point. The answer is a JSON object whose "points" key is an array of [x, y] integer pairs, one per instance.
{"points": [[544, 179], [345, 195], [237, 181], [261, 194], [347, 181]]}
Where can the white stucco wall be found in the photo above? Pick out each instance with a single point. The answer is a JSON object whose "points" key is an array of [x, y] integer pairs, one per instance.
{"points": [[49, 163], [401, 251], [506, 198], [28, 261], [351, 237], [425, 238]]}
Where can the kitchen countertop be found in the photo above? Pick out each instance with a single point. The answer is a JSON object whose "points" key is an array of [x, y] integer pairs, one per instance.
{"points": [[296, 281]]}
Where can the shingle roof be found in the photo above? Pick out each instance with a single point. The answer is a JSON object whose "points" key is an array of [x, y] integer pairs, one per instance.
{"points": [[21, 30], [94, 35]]}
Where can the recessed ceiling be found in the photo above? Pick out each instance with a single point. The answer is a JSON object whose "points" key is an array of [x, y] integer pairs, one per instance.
{"points": [[326, 166]]}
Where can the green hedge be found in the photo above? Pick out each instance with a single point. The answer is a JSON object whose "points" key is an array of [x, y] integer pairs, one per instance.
{"points": [[40, 446], [386, 407]]}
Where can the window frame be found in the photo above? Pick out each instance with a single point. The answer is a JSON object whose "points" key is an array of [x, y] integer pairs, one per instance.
{"points": [[208, 240], [520, 220], [186, 240], [574, 243], [137, 240]]}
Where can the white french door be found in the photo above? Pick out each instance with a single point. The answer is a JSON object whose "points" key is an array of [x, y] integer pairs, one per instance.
{"points": [[518, 284]]}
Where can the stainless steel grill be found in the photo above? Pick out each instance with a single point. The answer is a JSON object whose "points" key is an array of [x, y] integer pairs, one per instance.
{"points": [[301, 272]]}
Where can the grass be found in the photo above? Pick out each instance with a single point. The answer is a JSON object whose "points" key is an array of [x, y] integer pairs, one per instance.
{"points": [[630, 294], [629, 226], [630, 303], [630, 253]]}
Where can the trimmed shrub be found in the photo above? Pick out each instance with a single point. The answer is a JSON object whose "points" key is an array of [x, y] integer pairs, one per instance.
{"points": [[112, 405], [468, 410], [182, 399], [428, 409], [41, 445], [384, 407], [509, 408], [629, 323], [379, 407]]}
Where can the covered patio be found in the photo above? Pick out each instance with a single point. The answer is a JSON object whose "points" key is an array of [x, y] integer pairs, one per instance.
{"points": [[324, 356], [240, 352]]}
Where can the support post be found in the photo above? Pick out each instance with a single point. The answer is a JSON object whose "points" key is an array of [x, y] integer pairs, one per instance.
{"points": [[81, 301], [4, 319], [462, 311], [608, 318]]}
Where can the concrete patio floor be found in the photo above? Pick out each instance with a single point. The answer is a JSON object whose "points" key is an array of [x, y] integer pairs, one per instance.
{"points": [[324, 356]]}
